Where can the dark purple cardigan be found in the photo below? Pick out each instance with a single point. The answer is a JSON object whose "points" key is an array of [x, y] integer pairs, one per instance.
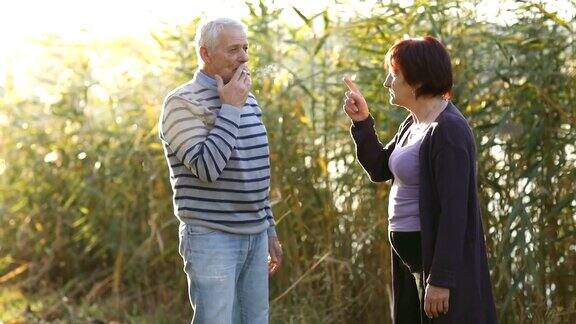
{"points": [[453, 247]]}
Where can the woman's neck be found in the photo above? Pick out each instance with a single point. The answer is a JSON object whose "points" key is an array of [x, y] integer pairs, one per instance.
{"points": [[425, 110]]}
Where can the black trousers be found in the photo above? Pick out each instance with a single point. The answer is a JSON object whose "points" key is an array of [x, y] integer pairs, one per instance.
{"points": [[408, 281]]}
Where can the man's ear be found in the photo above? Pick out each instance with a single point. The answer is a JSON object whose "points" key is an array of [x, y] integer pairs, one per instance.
{"points": [[205, 55]]}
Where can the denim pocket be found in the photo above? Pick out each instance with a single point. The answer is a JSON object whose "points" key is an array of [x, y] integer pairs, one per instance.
{"points": [[199, 230], [182, 239]]}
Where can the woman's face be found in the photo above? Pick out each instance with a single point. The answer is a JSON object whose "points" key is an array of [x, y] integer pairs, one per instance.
{"points": [[401, 93]]}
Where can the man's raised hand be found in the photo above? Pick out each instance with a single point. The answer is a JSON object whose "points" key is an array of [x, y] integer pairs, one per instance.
{"points": [[236, 91]]}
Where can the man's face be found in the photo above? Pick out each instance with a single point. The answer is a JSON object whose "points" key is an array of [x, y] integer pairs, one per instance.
{"points": [[231, 51]]}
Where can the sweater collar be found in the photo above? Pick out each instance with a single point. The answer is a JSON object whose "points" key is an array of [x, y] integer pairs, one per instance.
{"points": [[205, 79]]}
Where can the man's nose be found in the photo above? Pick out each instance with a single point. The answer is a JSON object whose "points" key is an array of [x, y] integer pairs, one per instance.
{"points": [[244, 57]]}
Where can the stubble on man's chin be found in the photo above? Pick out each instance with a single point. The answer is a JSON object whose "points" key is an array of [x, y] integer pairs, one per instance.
{"points": [[229, 77]]}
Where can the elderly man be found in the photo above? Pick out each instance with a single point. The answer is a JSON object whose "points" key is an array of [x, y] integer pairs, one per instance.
{"points": [[217, 151]]}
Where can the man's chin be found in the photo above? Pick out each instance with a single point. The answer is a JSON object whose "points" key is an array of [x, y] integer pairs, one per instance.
{"points": [[226, 78]]}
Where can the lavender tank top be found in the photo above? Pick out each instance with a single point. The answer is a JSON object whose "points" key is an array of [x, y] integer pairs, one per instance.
{"points": [[403, 204]]}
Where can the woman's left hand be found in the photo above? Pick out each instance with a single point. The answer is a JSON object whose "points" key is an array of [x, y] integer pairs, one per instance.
{"points": [[436, 301]]}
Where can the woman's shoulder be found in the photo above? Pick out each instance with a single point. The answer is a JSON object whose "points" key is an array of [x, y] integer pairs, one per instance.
{"points": [[451, 127], [451, 116]]}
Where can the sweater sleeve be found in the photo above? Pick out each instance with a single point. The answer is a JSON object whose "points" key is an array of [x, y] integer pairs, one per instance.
{"points": [[204, 149], [373, 156], [272, 228], [271, 221], [452, 166]]}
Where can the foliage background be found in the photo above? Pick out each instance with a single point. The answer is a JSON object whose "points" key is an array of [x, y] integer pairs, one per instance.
{"points": [[87, 231]]}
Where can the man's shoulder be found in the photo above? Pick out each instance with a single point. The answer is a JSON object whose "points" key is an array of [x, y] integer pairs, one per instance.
{"points": [[177, 91], [191, 91]]}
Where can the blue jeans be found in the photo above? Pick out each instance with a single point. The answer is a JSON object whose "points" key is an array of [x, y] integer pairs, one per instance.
{"points": [[227, 275]]}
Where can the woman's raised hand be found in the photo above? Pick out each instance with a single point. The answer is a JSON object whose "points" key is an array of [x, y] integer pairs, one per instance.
{"points": [[355, 105]]}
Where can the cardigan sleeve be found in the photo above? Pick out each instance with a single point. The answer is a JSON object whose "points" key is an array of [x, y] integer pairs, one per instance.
{"points": [[451, 163], [373, 156]]}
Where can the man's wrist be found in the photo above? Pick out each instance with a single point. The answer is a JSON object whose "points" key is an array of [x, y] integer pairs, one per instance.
{"points": [[272, 232], [233, 104]]}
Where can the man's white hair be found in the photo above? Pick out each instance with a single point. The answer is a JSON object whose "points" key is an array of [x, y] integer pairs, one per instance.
{"points": [[208, 32]]}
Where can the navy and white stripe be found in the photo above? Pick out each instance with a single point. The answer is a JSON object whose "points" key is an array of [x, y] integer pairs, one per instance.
{"points": [[218, 158]]}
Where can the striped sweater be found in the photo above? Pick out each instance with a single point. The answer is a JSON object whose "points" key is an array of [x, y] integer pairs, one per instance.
{"points": [[218, 158]]}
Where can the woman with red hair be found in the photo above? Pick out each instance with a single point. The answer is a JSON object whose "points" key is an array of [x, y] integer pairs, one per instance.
{"points": [[439, 264]]}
